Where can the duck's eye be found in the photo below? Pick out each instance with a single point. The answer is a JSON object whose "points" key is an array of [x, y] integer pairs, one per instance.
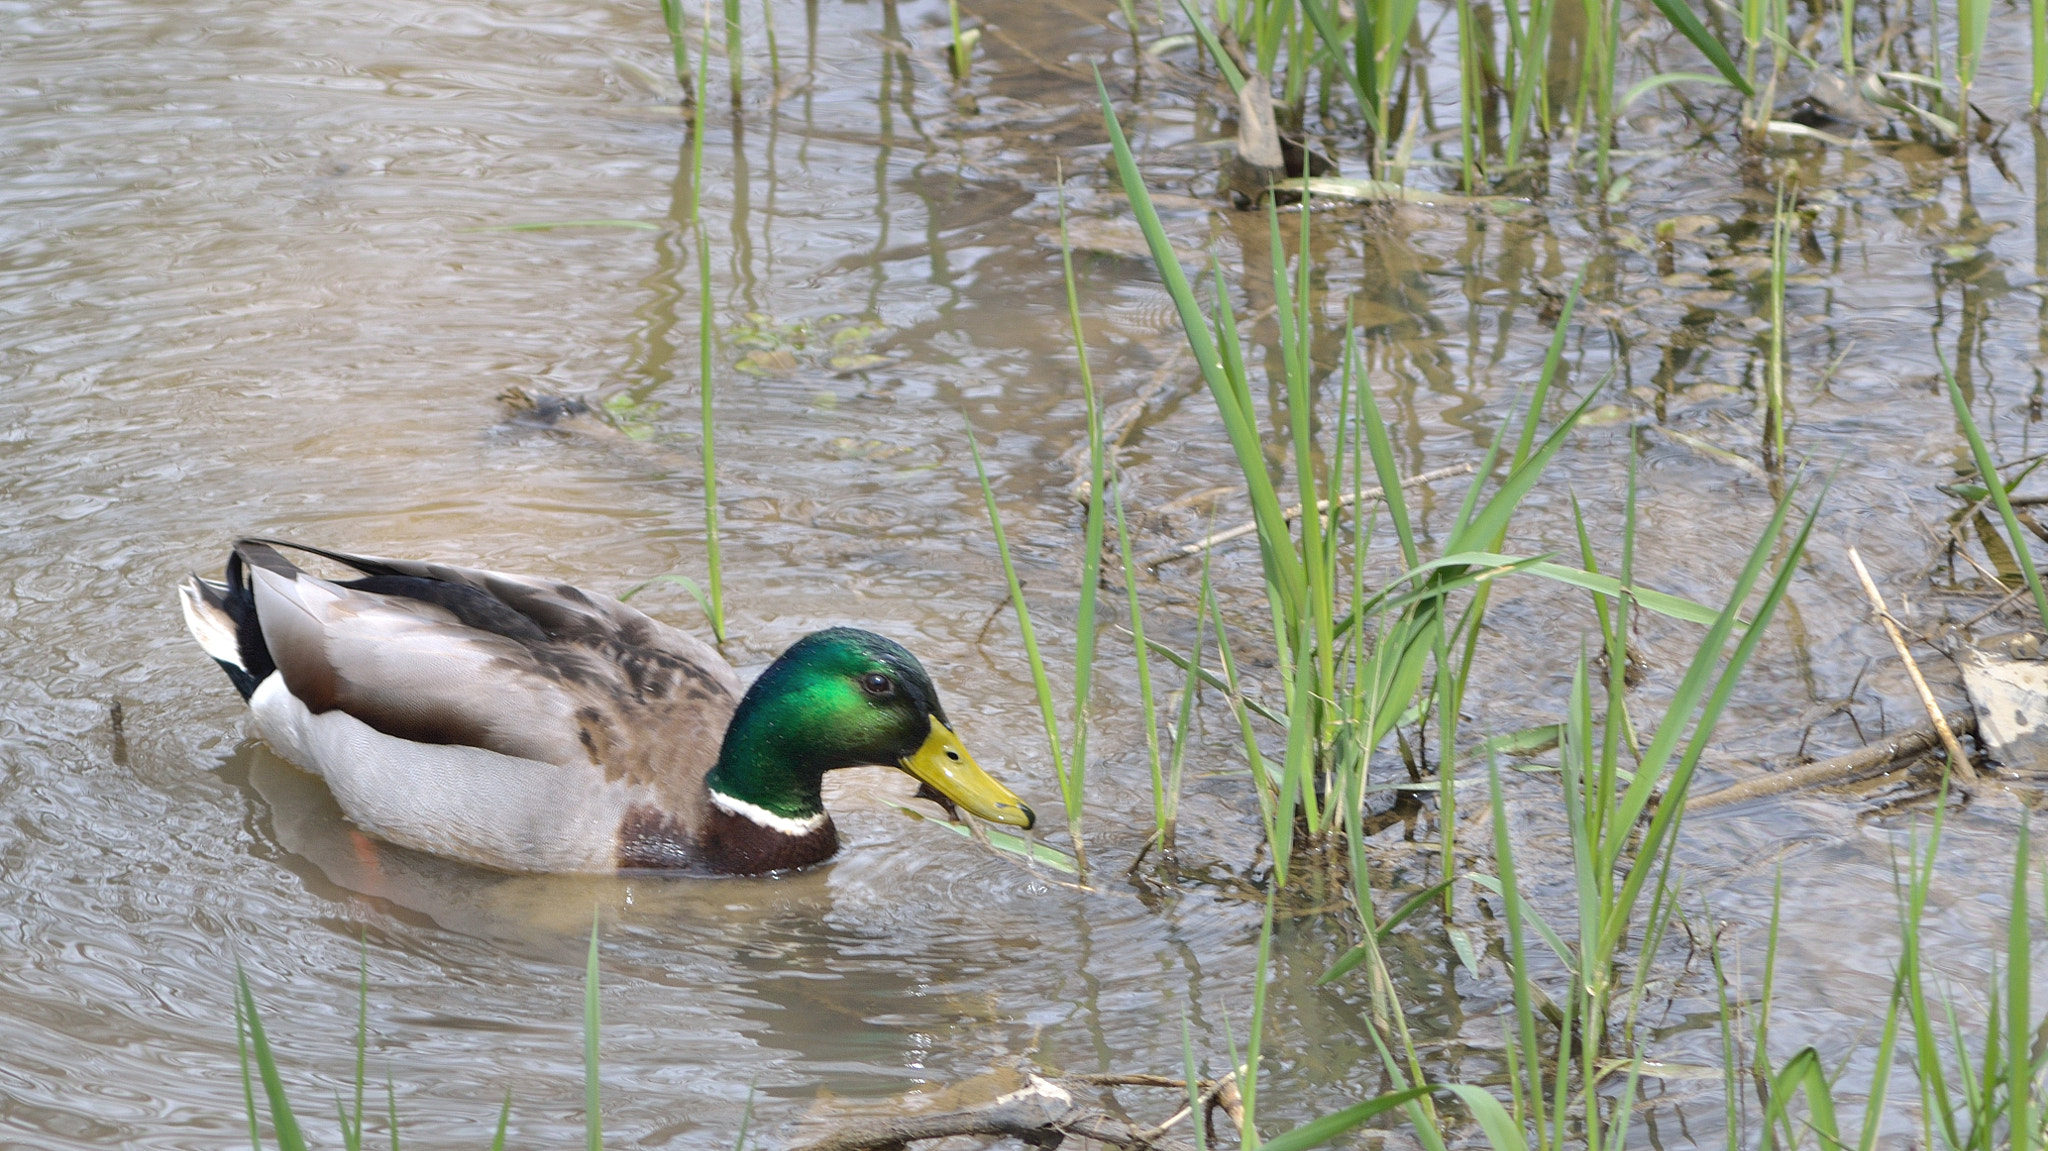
{"points": [[877, 684]]}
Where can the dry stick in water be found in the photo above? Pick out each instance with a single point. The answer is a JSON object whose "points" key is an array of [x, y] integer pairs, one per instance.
{"points": [[1041, 1114], [1964, 771], [1197, 547], [1842, 768], [2010, 599]]}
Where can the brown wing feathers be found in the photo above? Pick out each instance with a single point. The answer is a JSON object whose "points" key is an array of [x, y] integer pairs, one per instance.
{"points": [[439, 654]]}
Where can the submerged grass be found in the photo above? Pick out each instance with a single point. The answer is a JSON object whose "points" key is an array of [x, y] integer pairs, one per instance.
{"points": [[1355, 663], [1070, 761], [1358, 660], [1544, 80], [1777, 411], [679, 51], [253, 1043], [1352, 668], [1573, 1064]]}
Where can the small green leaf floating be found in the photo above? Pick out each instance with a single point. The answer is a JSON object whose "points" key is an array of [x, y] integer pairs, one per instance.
{"points": [[1031, 849]]}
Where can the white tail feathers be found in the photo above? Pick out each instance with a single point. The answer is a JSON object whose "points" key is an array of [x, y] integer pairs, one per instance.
{"points": [[209, 624]]}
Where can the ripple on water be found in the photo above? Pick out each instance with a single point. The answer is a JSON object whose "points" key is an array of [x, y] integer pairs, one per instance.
{"points": [[243, 289]]}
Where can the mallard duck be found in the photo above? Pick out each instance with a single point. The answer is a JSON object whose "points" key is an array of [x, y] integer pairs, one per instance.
{"points": [[528, 725]]}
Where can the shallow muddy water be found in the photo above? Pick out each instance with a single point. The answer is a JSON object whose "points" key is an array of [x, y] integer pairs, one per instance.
{"points": [[255, 277]]}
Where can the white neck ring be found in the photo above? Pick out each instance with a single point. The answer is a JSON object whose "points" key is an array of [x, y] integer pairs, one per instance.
{"points": [[754, 813]]}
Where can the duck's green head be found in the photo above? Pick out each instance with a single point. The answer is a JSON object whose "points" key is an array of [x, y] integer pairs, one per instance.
{"points": [[843, 698]]}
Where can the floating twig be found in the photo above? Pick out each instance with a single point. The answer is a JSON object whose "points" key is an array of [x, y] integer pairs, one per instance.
{"points": [[1856, 765], [1963, 769], [1042, 1114]]}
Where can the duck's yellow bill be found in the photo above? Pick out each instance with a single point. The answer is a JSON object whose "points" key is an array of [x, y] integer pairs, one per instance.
{"points": [[943, 765]]}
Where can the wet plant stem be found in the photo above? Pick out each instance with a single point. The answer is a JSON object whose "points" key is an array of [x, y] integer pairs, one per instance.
{"points": [[735, 51], [1847, 35], [1776, 411], [2037, 12], [960, 54], [1164, 804], [679, 50], [707, 344], [708, 453], [1029, 634], [1973, 22], [1071, 782]]}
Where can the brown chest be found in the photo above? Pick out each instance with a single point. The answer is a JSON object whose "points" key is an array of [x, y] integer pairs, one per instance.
{"points": [[726, 842]]}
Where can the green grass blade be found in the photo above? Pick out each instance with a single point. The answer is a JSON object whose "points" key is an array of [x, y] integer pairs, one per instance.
{"points": [[961, 55], [1264, 778], [746, 1119], [1248, 1083], [1380, 38], [1463, 568], [1072, 784], [1001, 840], [1207, 36], [1880, 1077], [1676, 607], [1358, 954], [1973, 24], [1671, 807], [2019, 1102], [1762, 1031], [1282, 566], [1583, 813], [354, 1130], [1987, 468], [1489, 524], [1380, 447], [707, 451], [679, 50], [1032, 653], [1525, 742], [504, 1121], [1649, 84], [248, 1081], [697, 122], [1804, 1074], [282, 1122], [1162, 808], [1558, 947], [1317, 1132], [1517, 950], [1190, 688], [1682, 18], [1297, 766], [2037, 13], [682, 581], [1332, 37], [1502, 1132], [1221, 683], [735, 50], [1700, 673]]}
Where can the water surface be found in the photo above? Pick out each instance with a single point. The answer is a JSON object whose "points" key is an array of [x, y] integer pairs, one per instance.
{"points": [[254, 279]]}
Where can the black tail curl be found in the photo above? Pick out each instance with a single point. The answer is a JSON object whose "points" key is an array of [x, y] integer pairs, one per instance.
{"points": [[236, 599]]}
